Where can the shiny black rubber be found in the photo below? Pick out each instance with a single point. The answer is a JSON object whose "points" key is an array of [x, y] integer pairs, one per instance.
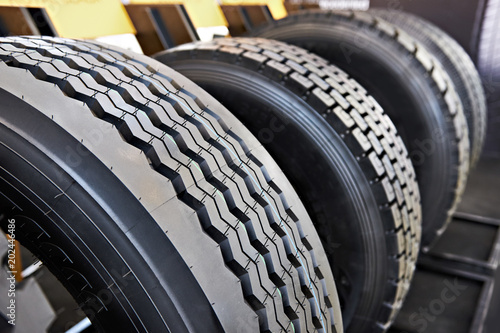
{"points": [[457, 64], [240, 259], [341, 153], [94, 241], [411, 86]]}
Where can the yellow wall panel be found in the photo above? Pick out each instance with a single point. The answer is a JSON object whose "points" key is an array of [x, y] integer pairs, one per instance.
{"points": [[95, 18], [276, 7], [203, 13], [82, 18]]}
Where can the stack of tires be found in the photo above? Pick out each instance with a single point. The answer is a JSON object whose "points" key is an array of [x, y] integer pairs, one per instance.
{"points": [[332, 149]]}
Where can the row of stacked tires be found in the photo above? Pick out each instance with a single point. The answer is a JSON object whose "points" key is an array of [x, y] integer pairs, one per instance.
{"points": [[284, 182]]}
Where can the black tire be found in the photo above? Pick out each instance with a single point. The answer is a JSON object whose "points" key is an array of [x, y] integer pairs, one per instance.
{"points": [[488, 63], [488, 59], [458, 65], [410, 85], [146, 153], [339, 150]]}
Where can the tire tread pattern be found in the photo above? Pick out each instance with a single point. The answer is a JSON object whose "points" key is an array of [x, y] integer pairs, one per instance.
{"points": [[457, 64], [360, 121], [211, 169], [416, 54]]}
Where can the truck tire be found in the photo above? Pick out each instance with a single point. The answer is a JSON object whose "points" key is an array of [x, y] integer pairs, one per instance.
{"points": [[488, 63], [150, 201], [412, 88], [456, 63], [339, 150]]}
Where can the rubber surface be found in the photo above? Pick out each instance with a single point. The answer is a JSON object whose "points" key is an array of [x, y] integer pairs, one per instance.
{"points": [[458, 66], [410, 85], [339, 150], [56, 218], [489, 43], [488, 63], [194, 171]]}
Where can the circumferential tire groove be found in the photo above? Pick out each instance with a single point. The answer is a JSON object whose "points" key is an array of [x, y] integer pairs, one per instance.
{"points": [[189, 200], [457, 64], [400, 178], [209, 195], [460, 125], [42, 234], [171, 172], [424, 63], [292, 281]]}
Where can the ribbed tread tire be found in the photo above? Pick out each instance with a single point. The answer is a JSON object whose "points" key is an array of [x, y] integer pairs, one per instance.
{"points": [[211, 168], [488, 63], [457, 64], [366, 130], [437, 210]]}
